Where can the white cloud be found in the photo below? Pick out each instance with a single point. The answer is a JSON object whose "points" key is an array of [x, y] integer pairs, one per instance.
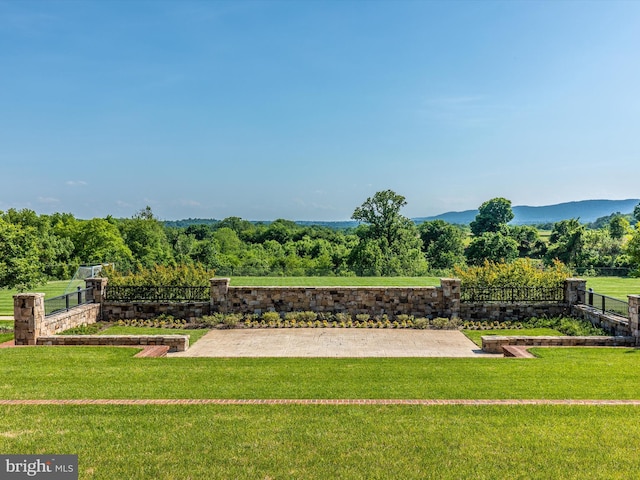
{"points": [[76, 183]]}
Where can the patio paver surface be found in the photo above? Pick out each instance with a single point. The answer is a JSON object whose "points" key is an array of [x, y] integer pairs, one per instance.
{"points": [[333, 342]]}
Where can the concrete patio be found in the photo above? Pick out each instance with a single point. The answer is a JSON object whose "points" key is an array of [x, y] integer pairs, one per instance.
{"points": [[323, 342]]}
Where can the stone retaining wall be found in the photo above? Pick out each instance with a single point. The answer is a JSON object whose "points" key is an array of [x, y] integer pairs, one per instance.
{"points": [[31, 323], [176, 343], [512, 312], [443, 301], [494, 343], [610, 323], [147, 310]]}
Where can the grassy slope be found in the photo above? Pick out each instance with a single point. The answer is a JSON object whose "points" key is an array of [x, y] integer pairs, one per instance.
{"points": [[94, 372], [318, 442], [322, 442]]}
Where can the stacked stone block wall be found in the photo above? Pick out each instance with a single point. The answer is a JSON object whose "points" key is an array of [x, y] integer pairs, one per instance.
{"points": [[417, 301], [176, 343], [610, 323], [512, 312], [145, 310]]}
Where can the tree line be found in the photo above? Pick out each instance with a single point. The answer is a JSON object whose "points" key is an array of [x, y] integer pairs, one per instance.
{"points": [[35, 248]]}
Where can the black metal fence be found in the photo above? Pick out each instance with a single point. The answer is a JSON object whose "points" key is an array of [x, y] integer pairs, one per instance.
{"points": [[604, 303], [128, 293], [512, 294], [65, 302]]}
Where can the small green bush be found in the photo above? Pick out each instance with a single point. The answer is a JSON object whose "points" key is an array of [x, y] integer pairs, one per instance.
{"points": [[270, 317], [421, 323], [91, 329]]}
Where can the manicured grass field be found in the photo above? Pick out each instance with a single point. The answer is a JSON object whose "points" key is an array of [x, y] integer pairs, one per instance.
{"points": [[321, 441], [616, 287], [476, 335], [98, 372], [51, 289], [331, 442]]}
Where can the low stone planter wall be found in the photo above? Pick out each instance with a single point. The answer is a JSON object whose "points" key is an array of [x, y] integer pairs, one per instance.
{"points": [[494, 343], [176, 343]]}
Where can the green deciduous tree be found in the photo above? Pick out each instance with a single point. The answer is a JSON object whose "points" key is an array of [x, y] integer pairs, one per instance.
{"points": [[566, 242], [492, 216], [442, 243], [633, 249], [19, 256], [145, 236], [619, 227], [492, 246], [529, 242], [389, 243]]}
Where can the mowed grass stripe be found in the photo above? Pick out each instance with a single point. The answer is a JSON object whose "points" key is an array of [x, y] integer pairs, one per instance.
{"points": [[318, 401], [111, 373], [319, 442]]}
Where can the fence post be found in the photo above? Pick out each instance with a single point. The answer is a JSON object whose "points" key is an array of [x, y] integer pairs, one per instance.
{"points": [[219, 290], [572, 290], [28, 315], [98, 286], [634, 316], [450, 297]]}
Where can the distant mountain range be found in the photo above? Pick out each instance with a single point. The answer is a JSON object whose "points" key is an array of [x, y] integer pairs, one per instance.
{"points": [[586, 211]]}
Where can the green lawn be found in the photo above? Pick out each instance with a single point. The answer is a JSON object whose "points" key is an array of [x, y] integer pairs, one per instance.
{"points": [[98, 372], [323, 441], [51, 289], [616, 287], [476, 335], [331, 442]]}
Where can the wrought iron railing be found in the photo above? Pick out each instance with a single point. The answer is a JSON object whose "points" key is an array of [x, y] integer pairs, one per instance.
{"points": [[67, 301], [512, 294], [604, 303], [128, 293]]}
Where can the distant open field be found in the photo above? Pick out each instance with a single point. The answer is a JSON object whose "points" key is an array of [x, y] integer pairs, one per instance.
{"points": [[616, 287], [51, 289]]}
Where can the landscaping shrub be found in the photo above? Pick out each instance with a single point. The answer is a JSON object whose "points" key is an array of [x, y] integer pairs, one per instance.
{"points": [[158, 275], [522, 272]]}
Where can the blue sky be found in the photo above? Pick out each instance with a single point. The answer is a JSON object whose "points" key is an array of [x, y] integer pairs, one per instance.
{"points": [[303, 109]]}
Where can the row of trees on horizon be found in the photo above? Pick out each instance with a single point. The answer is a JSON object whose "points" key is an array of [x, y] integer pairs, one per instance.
{"points": [[35, 248]]}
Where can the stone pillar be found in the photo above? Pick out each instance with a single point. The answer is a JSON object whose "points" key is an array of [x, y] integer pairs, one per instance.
{"points": [[450, 297], [28, 315], [574, 290], [99, 286], [219, 291], [634, 316]]}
